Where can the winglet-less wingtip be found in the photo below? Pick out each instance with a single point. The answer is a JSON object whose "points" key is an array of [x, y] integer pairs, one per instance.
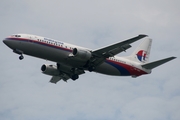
{"points": [[143, 35], [174, 57]]}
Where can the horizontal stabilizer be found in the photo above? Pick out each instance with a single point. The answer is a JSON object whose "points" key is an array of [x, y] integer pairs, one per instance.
{"points": [[157, 63]]}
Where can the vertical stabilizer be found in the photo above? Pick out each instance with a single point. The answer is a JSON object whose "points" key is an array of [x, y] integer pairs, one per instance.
{"points": [[142, 52]]}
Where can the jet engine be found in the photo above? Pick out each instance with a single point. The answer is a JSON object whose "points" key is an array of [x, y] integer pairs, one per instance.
{"points": [[82, 55], [50, 70]]}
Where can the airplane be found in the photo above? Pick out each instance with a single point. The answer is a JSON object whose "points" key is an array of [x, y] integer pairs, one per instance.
{"points": [[72, 61]]}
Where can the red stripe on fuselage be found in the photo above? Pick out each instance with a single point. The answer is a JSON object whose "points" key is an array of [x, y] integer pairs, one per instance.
{"points": [[38, 42], [131, 69]]}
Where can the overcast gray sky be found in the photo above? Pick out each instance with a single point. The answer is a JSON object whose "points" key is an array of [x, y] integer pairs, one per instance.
{"points": [[25, 93]]}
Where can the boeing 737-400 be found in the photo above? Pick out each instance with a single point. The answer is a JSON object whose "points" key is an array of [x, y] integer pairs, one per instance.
{"points": [[72, 61]]}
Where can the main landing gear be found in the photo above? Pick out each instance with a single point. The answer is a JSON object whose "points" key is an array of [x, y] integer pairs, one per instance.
{"points": [[74, 77], [71, 71], [91, 68]]}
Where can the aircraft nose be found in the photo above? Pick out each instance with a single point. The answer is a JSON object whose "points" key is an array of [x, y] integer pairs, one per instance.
{"points": [[5, 41]]}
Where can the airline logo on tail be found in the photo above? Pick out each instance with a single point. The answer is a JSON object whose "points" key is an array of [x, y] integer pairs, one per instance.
{"points": [[141, 55]]}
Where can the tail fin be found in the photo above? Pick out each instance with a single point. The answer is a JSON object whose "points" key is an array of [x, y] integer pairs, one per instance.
{"points": [[142, 52]]}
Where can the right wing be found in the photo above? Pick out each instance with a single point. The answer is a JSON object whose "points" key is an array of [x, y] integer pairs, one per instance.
{"points": [[101, 54], [114, 49]]}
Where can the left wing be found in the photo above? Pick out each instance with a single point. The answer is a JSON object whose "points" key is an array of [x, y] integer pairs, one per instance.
{"points": [[66, 75], [56, 79]]}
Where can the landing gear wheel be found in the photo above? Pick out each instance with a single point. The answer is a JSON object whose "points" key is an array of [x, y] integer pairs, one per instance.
{"points": [[92, 68], [58, 66], [74, 77], [21, 57]]}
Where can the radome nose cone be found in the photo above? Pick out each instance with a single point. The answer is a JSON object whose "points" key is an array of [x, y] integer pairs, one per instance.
{"points": [[5, 41]]}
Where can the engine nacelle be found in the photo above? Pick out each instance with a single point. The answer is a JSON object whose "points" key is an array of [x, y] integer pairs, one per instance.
{"points": [[50, 70], [82, 55]]}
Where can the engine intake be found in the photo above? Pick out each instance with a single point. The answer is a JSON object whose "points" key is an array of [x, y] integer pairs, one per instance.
{"points": [[82, 55], [50, 70]]}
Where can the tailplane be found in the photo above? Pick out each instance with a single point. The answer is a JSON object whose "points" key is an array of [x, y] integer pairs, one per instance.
{"points": [[142, 52], [154, 64]]}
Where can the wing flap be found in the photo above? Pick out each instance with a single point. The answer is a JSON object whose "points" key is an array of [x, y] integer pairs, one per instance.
{"points": [[115, 51], [55, 79], [157, 63]]}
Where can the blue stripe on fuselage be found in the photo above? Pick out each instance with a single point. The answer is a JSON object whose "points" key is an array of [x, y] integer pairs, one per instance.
{"points": [[121, 69], [41, 43]]}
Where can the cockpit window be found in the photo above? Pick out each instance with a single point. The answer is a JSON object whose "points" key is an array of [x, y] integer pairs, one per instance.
{"points": [[16, 35]]}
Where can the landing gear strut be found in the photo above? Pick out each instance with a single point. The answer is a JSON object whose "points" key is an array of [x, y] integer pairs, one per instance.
{"points": [[19, 52]]}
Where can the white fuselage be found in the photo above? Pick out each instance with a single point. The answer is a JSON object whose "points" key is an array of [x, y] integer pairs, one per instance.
{"points": [[59, 52]]}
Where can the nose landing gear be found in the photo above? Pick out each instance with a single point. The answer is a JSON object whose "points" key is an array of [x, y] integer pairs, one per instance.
{"points": [[21, 57], [20, 53]]}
